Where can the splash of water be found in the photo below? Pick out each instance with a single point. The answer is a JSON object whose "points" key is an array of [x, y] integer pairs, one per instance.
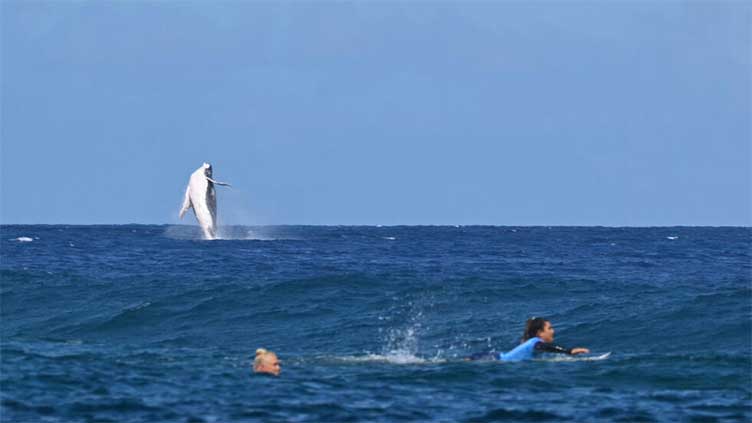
{"points": [[229, 232], [402, 345]]}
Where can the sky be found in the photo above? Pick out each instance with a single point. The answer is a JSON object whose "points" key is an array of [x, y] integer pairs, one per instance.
{"points": [[613, 113]]}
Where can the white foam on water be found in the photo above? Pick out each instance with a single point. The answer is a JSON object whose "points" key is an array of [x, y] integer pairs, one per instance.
{"points": [[672, 237], [245, 234], [401, 347], [225, 233], [390, 238], [396, 357], [380, 358], [254, 235], [23, 239]]}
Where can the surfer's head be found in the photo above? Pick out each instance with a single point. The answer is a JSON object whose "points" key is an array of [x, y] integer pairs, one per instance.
{"points": [[266, 362], [540, 327]]}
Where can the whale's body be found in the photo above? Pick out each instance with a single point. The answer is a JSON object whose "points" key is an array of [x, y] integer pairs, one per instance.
{"points": [[202, 197]]}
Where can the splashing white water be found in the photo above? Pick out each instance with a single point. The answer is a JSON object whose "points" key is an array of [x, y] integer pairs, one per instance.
{"points": [[227, 233], [401, 346], [391, 359]]}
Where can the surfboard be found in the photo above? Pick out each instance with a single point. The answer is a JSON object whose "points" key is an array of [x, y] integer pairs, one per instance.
{"points": [[578, 358], [598, 357]]}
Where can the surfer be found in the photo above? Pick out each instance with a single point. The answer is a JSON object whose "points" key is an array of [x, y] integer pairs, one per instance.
{"points": [[266, 362], [537, 338]]}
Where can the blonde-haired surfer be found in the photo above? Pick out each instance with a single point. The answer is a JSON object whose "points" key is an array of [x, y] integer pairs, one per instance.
{"points": [[266, 362]]}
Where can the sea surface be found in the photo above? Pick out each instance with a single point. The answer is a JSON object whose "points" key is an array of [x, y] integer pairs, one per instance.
{"points": [[142, 323]]}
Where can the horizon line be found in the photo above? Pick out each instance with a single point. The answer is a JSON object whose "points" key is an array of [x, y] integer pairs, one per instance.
{"points": [[390, 225]]}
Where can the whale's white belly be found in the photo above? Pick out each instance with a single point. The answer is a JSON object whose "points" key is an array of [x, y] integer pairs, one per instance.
{"points": [[204, 201]]}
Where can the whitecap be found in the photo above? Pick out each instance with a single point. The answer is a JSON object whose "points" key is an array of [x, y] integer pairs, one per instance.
{"points": [[23, 239], [672, 237], [390, 238]]}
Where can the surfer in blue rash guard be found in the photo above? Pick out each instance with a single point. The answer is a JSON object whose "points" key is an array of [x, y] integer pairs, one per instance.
{"points": [[537, 338]]}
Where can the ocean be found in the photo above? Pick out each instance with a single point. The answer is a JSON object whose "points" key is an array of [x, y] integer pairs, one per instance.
{"points": [[146, 323]]}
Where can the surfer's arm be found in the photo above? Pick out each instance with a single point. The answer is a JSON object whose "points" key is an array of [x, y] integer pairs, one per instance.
{"points": [[547, 347]]}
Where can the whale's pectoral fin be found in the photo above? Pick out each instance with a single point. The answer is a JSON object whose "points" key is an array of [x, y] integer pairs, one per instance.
{"points": [[186, 202], [217, 182]]}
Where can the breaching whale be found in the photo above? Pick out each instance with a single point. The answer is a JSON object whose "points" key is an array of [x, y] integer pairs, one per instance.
{"points": [[200, 195]]}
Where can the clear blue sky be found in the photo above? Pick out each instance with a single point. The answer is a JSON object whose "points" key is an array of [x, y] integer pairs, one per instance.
{"points": [[633, 113]]}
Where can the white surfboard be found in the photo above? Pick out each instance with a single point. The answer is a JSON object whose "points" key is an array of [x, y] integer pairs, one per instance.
{"points": [[578, 357]]}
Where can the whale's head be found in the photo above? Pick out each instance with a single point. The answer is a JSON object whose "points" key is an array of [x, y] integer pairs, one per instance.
{"points": [[207, 169]]}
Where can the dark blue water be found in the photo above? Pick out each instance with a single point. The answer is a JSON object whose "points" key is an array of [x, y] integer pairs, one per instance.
{"points": [[149, 323]]}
